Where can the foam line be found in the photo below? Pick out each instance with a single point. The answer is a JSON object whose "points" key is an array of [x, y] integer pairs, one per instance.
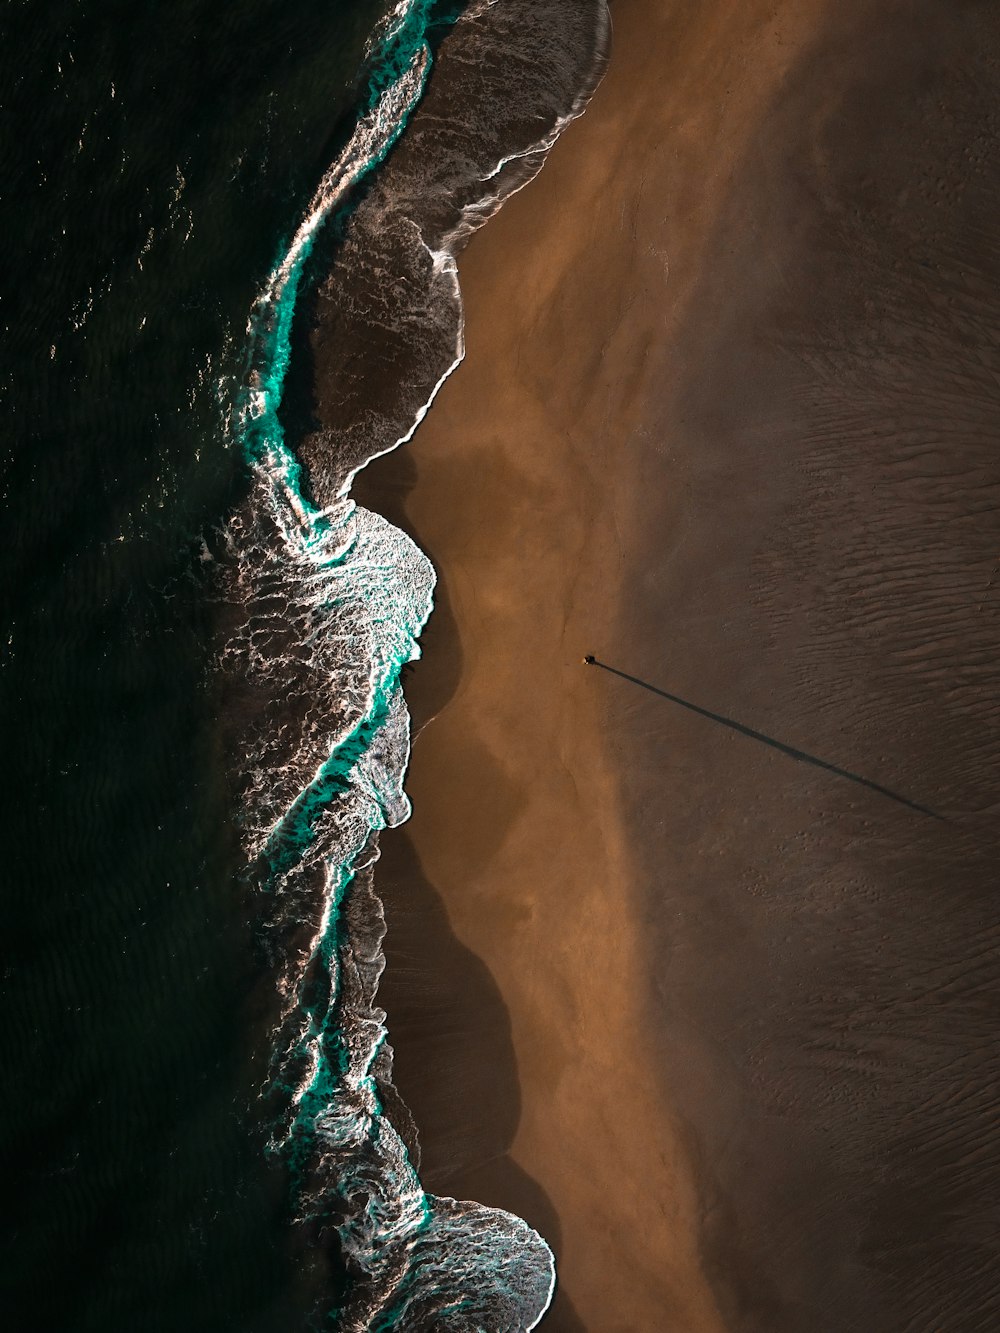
{"points": [[335, 599]]}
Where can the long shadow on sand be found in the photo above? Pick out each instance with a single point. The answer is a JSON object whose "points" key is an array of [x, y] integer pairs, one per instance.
{"points": [[454, 1062], [801, 755]]}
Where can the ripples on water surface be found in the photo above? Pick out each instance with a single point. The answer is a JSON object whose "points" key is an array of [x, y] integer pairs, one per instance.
{"points": [[154, 155]]}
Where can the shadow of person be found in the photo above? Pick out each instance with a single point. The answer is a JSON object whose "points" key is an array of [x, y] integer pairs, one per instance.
{"points": [[802, 756]]}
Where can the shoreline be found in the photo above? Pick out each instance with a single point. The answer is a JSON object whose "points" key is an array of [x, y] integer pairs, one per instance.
{"points": [[391, 298], [353, 582]]}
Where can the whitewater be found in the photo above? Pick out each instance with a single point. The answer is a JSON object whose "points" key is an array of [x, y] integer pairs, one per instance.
{"points": [[332, 600]]}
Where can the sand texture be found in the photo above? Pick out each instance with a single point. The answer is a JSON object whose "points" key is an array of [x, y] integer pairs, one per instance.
{"points": [[718, 1020]]}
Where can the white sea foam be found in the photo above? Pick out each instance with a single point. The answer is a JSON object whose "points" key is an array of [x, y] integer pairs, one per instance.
{"points": [[332, 599]]}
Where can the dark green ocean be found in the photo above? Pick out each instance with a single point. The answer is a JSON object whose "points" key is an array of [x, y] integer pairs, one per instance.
{"points": [[154, 155]]}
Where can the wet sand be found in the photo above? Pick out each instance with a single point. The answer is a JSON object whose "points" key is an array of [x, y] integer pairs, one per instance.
{"points": [[718, 1020]]}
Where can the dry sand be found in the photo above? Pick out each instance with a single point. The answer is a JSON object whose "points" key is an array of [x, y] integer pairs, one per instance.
{"points": [[716, 1020]]}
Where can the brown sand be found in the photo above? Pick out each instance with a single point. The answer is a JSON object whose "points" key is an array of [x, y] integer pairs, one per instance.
{"points": [[716, 1020]]}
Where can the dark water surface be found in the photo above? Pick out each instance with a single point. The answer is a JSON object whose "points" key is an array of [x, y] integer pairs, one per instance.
{"points": [[154, 155]]}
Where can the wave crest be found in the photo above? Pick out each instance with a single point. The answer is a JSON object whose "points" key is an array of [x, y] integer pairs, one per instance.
{"points": [[328, 602]]}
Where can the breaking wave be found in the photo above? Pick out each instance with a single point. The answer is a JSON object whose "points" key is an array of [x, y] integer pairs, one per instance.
{"points": [[328, 601]]}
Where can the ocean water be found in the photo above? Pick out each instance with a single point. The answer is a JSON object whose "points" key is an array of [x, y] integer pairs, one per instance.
{"points": [[231, 281]]}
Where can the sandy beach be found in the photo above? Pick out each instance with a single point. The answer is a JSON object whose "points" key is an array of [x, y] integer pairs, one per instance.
{"points": [[713, 1017]]}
